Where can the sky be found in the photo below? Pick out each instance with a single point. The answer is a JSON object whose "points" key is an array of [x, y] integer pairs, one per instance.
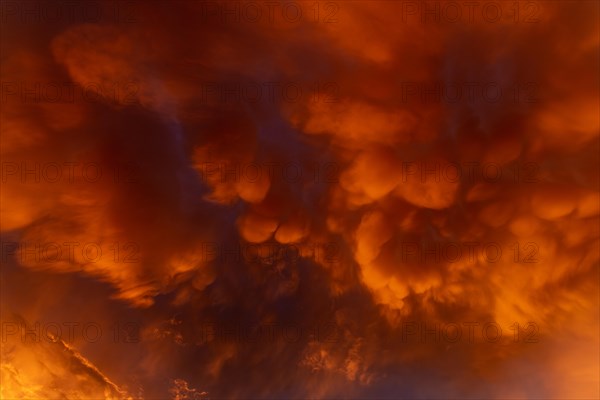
{"points": [[300, 200]]}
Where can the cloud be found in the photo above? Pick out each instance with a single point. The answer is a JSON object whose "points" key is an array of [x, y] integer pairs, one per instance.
{"points": [[364, 201]]}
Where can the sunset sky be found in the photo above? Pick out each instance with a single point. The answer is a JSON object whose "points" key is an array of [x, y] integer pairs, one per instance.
{"points": [[300, 199]]}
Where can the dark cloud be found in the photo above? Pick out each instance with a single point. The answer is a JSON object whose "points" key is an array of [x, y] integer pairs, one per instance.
{"points": [[364, 202]]}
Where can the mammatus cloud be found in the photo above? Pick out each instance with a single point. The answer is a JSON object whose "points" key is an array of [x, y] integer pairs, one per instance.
{"points": [[290, 200]]}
